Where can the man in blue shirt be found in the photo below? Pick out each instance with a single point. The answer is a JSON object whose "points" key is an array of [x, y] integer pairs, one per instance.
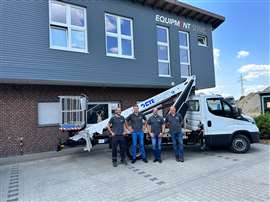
{"points": [[135, 123], [174, 121], [156, 128]]}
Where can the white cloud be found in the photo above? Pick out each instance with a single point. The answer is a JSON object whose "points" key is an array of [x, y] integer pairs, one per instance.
{"points": [[252, 71], [242, 54], [219, 90], [254, 88], [216, 53]]}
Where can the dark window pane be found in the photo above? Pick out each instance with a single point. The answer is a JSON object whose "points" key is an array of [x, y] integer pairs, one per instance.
{"points": [[125, 27], [193, 105], [126, 47], [162, 35], [112, 45], [183, 40], [202, 40]]}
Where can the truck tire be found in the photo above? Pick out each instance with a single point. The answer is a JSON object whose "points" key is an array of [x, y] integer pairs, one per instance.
{"points": [[129, 151], [240, 144]]}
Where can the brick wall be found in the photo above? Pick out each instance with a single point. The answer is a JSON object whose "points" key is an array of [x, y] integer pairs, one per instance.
{"points": [[19, 117]]}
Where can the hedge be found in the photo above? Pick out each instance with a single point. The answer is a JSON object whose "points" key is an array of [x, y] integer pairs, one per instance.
{"points": [[263, 123]]}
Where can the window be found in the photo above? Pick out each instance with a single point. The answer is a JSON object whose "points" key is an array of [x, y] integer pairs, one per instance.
{"points": [[99, 111], [48, 113], [184, 54], [119, 36], [219, 107], [202, 40], [163, 51], [193, 105], [68, 30]]}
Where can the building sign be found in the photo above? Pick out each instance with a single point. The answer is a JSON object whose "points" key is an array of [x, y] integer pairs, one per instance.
{"points": [[181, 23]]}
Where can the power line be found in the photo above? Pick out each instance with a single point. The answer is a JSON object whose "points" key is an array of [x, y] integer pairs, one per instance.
{"points": [[242, 84]]}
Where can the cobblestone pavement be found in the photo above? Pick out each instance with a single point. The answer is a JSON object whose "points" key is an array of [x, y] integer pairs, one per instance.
{"points": [[216, 175]]}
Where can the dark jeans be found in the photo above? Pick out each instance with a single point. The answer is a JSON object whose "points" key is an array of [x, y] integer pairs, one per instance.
{"points": [[177, 139], [156, 144], [121, 141]]}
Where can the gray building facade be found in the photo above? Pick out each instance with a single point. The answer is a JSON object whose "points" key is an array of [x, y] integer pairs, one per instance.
{"points": [[52, 46]]}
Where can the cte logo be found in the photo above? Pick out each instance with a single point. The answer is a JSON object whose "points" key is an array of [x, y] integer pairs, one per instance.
{"points": [[147, 103]]}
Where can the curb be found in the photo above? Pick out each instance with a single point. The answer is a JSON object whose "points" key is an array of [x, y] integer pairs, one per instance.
{"points": [[39, 156]]}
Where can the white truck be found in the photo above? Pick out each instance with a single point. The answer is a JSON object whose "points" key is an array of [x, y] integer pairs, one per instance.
{"points": [[209, 119], [222, 124]]}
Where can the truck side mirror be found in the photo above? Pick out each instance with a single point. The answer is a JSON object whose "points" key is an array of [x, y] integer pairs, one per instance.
{"points": [[240, 111]]}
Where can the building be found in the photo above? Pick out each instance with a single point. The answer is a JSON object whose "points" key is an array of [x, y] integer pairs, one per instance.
{"points": [[265, 100], [114, 51], [255, 103]]}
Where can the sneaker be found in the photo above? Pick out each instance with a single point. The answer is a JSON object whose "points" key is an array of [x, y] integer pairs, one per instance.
{"points": [[160, 161], [124, 162], [177, 159], [133, 161], [155, 160], [145, 161], [181, 159], [114, 164]]}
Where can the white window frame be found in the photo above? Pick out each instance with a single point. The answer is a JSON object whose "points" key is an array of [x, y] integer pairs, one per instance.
{"points": [[68, 26], [119, 37], [205, 39], [188, 50], [167, 44]]}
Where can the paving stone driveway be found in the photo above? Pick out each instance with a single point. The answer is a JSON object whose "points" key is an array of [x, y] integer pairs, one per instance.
{"points": [[204, 176]]}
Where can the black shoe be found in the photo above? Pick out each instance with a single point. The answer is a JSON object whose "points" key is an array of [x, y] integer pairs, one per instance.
{"points": [[177, 159], [145, 161], [181, 159], [160, 161], [114, 164], [124, 162], [133, 161], [155, 160]]}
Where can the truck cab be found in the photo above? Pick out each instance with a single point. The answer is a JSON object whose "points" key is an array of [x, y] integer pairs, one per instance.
{"points": [[222, 124]]}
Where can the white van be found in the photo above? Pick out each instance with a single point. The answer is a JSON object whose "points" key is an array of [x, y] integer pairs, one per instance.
{"points": [[222, 124]]}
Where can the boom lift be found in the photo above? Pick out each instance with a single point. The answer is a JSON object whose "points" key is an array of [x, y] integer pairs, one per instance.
{"points": [[74, 111]]}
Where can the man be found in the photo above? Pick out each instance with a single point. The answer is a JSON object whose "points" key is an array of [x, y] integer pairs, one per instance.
{"points": [[118, 131], [135, 123], [156, 128], [174, 121]]}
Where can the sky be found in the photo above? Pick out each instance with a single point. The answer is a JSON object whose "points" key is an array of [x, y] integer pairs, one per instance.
{"points": [[241, 45]]}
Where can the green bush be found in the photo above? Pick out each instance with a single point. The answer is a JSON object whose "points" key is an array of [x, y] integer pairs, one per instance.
{"points": [[263, 123]]}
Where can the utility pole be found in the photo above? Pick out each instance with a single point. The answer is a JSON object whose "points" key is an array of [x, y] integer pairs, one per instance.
{"points": [[242, 85]]}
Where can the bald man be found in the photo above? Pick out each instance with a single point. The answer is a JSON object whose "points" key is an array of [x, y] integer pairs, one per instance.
{"points": [[116, 127], [174, 121], [156, 126]]}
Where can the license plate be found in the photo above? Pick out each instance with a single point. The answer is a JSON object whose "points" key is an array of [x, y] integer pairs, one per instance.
{"points": [[101, 141]]}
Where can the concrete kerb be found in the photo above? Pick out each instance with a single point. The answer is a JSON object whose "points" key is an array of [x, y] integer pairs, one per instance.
{"points": [[43, 155]]}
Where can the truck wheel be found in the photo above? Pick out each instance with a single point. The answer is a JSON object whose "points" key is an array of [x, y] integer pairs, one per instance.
{"points": [[129, 151], [240, 144]]}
